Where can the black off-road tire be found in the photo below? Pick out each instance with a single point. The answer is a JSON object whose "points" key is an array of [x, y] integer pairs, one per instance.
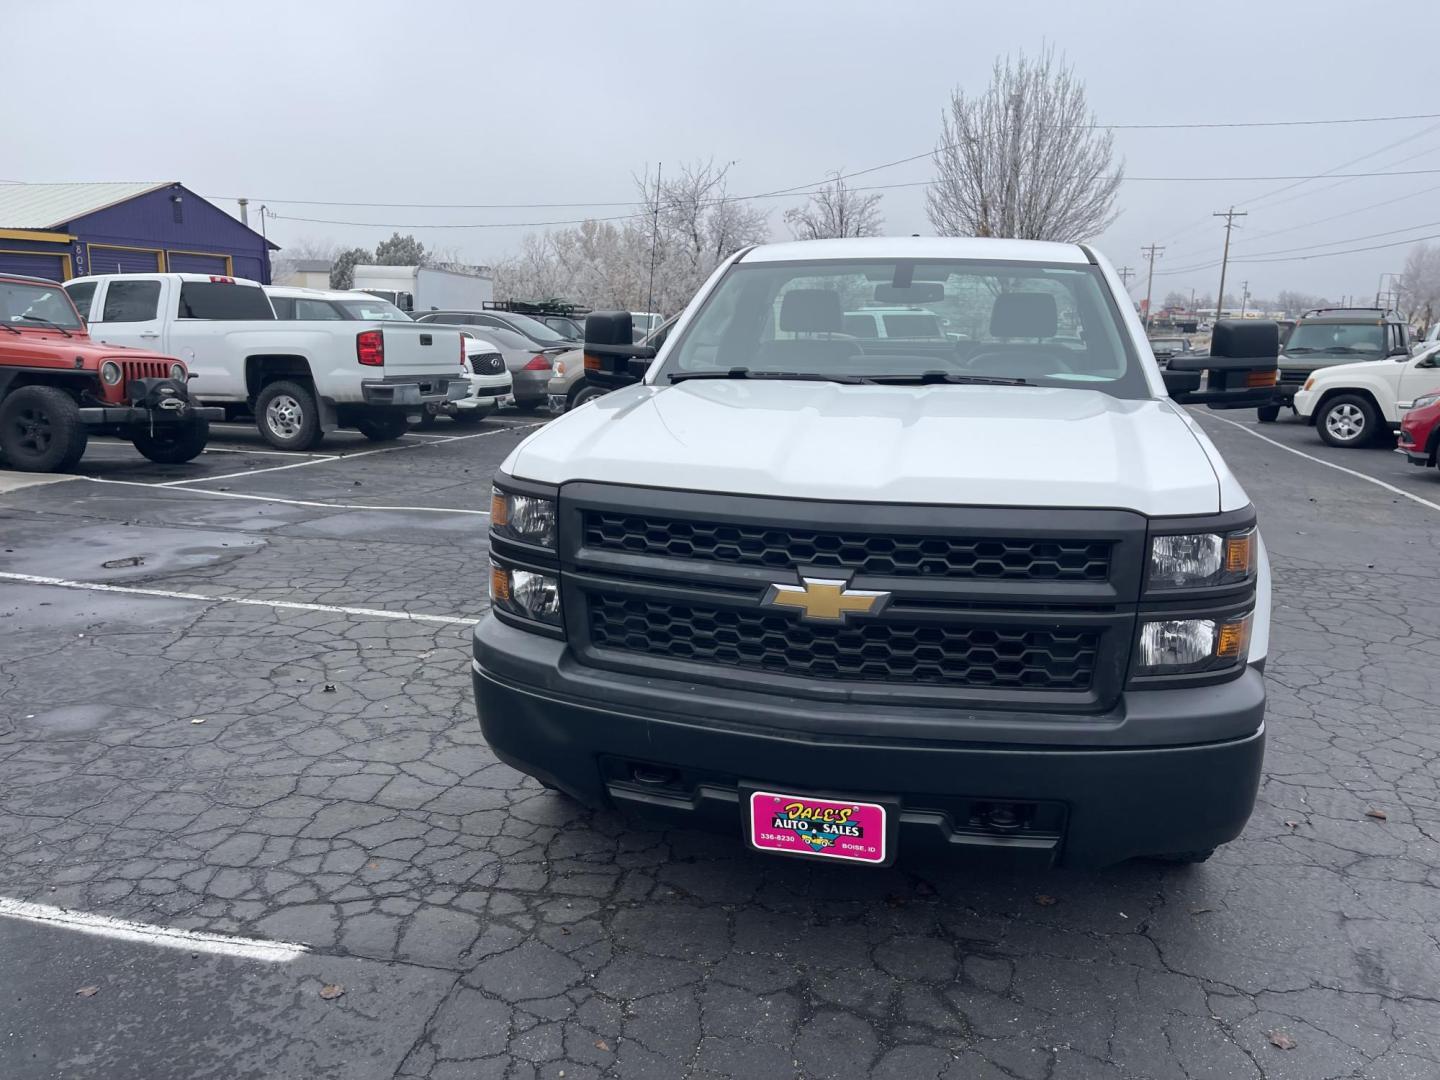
{"points": [[1348, 420], [470, 417], [288, 416], [40, 430], [384, 427], [173, 444], [1267, 414]]}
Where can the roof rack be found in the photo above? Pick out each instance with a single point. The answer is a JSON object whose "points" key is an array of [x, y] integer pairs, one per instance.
{"points": [[553, 306], [1348, 307]]}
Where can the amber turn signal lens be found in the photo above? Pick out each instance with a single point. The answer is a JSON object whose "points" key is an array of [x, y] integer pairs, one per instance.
{"points": [[1261, 378], [499, 510], [499, 585], [1240, 553], [592, 362], [1234, 640]]}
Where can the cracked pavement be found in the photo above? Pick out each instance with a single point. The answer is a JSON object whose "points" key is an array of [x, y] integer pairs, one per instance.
{"points": [[483, 927]]}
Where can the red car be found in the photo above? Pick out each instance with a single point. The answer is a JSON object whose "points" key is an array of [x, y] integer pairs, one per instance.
{"points": [[57, 386], [1420, 430]]}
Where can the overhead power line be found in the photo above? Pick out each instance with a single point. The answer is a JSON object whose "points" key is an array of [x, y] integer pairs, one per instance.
{"points": [[799, 188], [749, 198]]}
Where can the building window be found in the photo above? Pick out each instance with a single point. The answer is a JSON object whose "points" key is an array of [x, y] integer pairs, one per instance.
{"points": [[177, 206]]}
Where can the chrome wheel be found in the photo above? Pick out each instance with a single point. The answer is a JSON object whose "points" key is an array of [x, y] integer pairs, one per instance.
{"points": [[1346, 422], [284, 416]]}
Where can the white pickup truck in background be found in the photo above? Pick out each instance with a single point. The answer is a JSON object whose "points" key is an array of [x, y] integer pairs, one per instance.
{"points": [[298, 379]]}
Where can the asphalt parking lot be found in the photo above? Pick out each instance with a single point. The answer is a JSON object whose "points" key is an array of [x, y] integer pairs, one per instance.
{"points": [[235, 702]]}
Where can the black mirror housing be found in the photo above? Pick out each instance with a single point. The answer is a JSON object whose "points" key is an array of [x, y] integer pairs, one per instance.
{"points": [[612, 359], [1240, 373]]}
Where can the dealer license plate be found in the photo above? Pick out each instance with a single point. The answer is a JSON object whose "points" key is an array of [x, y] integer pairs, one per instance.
{"points": [[822, 828]]}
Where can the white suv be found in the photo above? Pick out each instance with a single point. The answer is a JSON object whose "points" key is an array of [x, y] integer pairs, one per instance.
{"points": [[1351, 404]]}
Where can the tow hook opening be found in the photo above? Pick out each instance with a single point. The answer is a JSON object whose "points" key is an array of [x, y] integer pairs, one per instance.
{"points": [[1004, 817], [654, 775]]}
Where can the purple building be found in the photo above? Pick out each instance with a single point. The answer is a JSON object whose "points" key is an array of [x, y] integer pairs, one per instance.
{"points": [[60, 231]]}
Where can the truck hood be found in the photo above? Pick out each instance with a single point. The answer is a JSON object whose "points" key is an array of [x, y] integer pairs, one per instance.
{"points": [[949, 445]]}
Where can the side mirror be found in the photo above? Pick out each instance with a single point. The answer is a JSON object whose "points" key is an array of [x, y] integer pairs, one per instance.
{"points": [[407, 301], [1240, 372], [612, 359]]}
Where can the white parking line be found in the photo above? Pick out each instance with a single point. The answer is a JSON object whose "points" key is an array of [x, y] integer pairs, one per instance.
{"points": [[284, 605], [278, 499], [1330, 464], [437, 440], [145, 934]]}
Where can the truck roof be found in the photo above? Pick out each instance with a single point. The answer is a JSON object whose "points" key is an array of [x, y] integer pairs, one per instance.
{"points": [[173, 277], [919, 247], [28, 279], [299, 292]]}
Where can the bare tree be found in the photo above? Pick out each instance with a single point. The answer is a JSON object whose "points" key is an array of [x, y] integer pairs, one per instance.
{"points": [[1419, 285], [834, 211], [306, 249], [1176, 300], [1024, 159]]}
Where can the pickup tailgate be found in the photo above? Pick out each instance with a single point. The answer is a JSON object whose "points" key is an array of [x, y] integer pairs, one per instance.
{"points": [[416, 349]]}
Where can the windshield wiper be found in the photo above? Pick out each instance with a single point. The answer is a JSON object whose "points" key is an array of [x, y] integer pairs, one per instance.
{"points": [[1344, 349], [9, 327], [47, 322], [1297, 349], [927, 377], [746, 373]]}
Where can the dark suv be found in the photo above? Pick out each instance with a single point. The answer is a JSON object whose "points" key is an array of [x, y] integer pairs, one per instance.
{"points": [[1326, 337]]}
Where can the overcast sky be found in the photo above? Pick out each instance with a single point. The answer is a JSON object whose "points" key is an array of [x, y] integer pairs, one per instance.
{"points": [[433, 101]]}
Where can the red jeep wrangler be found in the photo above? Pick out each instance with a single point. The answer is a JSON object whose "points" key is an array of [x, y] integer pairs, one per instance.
{"points": [[56, 386]]}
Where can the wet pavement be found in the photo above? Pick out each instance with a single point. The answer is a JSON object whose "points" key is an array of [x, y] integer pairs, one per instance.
{"points": [[336, 793]]}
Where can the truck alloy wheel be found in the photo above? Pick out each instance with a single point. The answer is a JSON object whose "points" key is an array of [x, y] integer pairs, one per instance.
{"points": [[1347, 420], [41, 430], [288, 417]]}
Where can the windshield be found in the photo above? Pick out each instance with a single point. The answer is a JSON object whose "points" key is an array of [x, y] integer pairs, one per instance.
{"points": [[376, 310], [35, 305], [1045, 325], [535, 329], [1364, 339]]}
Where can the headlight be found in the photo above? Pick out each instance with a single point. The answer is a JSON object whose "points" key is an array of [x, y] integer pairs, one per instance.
{"points": [[1310, 382], [559, 368], [110, 373], [527, 594], [1180, 646], [177, 372], [1198, 560], [526, 518], [1424, 400]]}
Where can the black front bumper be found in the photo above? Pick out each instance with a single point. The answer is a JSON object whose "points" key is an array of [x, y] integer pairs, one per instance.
{"points": [[1166, 771], [139, 414]]}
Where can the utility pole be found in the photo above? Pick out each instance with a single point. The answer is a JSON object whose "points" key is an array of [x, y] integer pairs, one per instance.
{"points": [[1244, 296], [1229, 216], [1126, 273], [654, 240], [1150, 254]]}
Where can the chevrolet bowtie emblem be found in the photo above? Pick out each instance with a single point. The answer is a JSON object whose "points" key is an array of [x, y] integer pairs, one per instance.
{"points": [[825, 600]]}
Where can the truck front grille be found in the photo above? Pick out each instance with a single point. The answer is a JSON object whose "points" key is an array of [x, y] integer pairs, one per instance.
{"points": [[889, 650], [1294, 378], [784, 547]]}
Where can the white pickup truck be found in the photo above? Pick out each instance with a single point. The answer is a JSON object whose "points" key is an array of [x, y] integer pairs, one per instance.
{"points": [[850, 595], [298, 379]]}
